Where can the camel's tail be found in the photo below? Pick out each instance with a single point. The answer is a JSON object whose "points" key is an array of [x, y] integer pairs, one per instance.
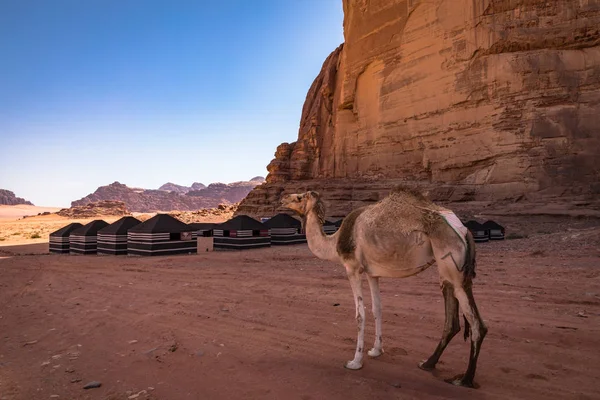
{"points": [[469, 266]]}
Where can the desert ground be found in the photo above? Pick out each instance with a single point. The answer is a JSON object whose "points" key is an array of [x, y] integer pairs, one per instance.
{"points": [[278, 323], [21, 225]]}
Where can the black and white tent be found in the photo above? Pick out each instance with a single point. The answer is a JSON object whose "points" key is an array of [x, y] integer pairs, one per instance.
{"points": [[113, 238], [240, 233], [480, 234], [495, 230], [59, 240], [161, 235], [84, 240], [285, 229], [202, 229], [329, 227]]}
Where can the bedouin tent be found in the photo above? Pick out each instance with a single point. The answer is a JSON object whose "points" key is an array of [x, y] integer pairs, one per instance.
{"points": [[329, 227], [161, 235], [113, 238], [495, 230], [480, 234], [241, 233], [84, 240], [59, 240], [202, 229], [285, 229]]}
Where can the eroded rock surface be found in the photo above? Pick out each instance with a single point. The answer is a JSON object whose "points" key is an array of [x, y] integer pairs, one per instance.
{"points": [[493, 100]]}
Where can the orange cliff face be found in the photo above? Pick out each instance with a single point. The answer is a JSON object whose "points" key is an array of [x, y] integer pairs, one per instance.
{"points": [[470, 99]]}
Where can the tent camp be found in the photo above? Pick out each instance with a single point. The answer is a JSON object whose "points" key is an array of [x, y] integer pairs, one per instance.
{"points": [[113, 238], [202, 229], [329, 227], [480, 234], [161, 235], [285, 229], [494, 229], [241, 233], [84, 240], [59, 240]]}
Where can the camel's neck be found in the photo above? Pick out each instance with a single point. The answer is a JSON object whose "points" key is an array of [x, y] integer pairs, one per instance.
{"points": [[320, 244]]}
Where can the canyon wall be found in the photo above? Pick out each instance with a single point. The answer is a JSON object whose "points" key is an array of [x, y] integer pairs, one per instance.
{"points": [[473, 100]]}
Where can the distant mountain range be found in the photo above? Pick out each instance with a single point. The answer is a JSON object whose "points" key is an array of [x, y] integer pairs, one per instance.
{"points": [[8, 198], [170, 196]]}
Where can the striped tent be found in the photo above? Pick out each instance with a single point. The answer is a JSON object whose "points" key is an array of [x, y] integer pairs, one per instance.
{"points": [[161, 235], [202, 229], [84, 240], [495, 230], [59, 240], [480, 234], [240, 233], [329, 227], [338, 223], [113, 238], [285, 229]]}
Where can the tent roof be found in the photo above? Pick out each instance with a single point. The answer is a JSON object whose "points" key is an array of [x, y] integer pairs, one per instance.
{"points": [[473, 225], [201, 226], [242, 223], [283, 221], [492, 225], [327, 222], [120, 227], [66, 230], [161, 223], [91, 228]]}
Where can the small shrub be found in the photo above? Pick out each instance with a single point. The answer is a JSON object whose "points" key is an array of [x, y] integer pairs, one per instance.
{"points": [[2, 239], [35, 235], [16, 233]]}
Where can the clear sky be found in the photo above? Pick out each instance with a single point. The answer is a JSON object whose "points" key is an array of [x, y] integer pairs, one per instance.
{"points": [[144, 92]]}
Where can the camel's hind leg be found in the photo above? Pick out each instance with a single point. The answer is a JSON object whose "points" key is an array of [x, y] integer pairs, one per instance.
{"points": [[377, 349], [451, 326], [478, 331]]}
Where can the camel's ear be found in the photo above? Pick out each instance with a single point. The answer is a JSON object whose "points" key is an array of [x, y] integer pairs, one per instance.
{"points": [[313, 194]]}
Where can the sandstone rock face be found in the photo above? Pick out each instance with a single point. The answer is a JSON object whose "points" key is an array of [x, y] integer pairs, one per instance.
{"points": [[8, 198], [493, 100], [96, 209], [172, 187]]}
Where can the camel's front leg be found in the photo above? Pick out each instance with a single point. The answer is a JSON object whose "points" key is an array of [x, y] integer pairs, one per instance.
{"points": [[377, 349], [356, 283]]}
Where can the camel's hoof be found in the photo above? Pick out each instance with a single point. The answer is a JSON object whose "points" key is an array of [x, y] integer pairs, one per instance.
{"points": [[375, 352], [460, 380], [353, 365], [426, 367]]}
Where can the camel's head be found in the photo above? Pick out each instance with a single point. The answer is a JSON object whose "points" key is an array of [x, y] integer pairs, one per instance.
{"points": [[302, 203]]}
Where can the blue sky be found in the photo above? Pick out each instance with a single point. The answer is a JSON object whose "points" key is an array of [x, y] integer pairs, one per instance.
{"points": [[144, 92]]}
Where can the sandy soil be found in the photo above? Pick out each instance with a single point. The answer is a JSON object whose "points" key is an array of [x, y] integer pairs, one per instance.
{"points": [[278, 324], [16, 230], [18, 211]]}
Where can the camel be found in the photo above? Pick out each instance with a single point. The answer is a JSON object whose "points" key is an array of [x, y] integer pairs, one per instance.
{"points": [[397, 237]]}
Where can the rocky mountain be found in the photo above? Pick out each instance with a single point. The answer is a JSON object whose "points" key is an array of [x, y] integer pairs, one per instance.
{"points": [[95, 209], [489, 101], [148, 200], [8, 198], [172, 187]]}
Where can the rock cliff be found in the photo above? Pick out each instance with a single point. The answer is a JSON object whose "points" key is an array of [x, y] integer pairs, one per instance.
{"points": [[8, 198], [474, 100]]}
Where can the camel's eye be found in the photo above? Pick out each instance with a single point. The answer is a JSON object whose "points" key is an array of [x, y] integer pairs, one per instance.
{"points": [[298, 198]]}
